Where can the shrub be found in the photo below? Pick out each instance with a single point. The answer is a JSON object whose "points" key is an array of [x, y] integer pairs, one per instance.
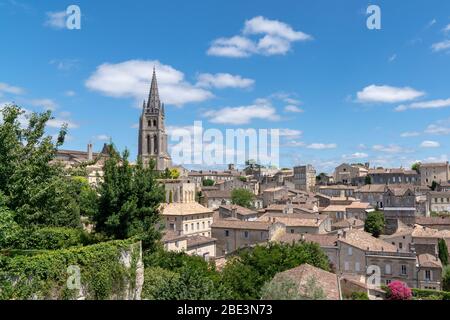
{"points": [[359, 296], [398, 290]]}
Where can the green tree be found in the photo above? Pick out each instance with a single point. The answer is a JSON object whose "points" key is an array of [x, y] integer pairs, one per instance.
{"points": [[446, 278], [87, 196], [242, 197], [416, 167], [434, 185], [129, 200], [359, 296], [170, 173], [208, 182], [9, 230], [443, 251], [285, 288], [35, 188], [280, 288], [247, 272], [368, 180], [375, 223]]}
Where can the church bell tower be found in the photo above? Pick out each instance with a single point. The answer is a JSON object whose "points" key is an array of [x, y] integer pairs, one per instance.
{"points": [[152, 133]]}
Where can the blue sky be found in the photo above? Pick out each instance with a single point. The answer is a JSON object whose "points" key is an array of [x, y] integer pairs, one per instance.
{"points": [[337, 90]]}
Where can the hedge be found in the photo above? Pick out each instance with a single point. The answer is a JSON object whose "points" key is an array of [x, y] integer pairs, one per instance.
{"points": [[45, 275], [430, 294]]}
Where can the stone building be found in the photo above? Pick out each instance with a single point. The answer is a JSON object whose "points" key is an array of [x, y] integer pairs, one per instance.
{"points": [[233, 234], [438, 202], [346, 173], [305, 178], [399, 205], [392, 176], [438, 172], [152, 134]]}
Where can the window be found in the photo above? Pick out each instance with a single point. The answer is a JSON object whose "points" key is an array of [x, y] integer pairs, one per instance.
{"points": [[428, 275], [357, 266], [346, 266], [388, 282], [246, 234], [149, 123], [403, 269], [400, 245], [185, 227], [198, 225], [387, 269], [227, 233], [350, 251], [192, 226], [203, 224], [209, 224], [292, 230]]}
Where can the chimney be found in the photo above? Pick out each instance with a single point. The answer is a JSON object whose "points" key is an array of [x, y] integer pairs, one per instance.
{"points": [[89, 152]]}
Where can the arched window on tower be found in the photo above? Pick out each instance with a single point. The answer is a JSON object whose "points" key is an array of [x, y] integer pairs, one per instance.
{"points": [[154, 123], [155, 144], [149, 148]]}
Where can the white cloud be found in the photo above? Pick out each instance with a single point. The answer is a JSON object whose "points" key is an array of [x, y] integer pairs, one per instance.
{"points": [[392, 148], [440, 46], [387, 94], [293, 108], [47, 104], [290, 133], [447, 28], [261, 25], [430, 144], [433, 104], [6, 88], [132, 79], [102, 137], [234, 47], [223, 80], [322, 146], [70, 93], [410, 134], [276, 38], [356, 155], [65, 64], [438, 129], [260, 109], [393, 57], [58, 123], [56, 20]]}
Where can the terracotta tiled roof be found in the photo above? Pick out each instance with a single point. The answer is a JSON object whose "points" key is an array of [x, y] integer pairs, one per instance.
{"points": [[327, 281], [353, 222], [199, 240], [424, 221], [335, 208], [240, 210], [239, 224], [358, 205], [375, 188], [172, 209], [430, 261], [365, 241], [324, 240]]}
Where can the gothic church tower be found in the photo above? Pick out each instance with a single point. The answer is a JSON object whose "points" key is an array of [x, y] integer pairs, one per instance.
{"points": [[152, 134]]}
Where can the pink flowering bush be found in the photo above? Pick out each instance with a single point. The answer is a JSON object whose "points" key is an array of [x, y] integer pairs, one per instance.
{"points": [[398, 290]]}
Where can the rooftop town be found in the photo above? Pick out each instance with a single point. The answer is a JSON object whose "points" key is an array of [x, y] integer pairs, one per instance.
{"points": [[202, 214]]}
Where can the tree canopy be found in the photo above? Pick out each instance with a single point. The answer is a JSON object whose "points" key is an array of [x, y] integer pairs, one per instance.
{"points": [[375, 223], [129, 200], [242, 197], [35, 188]]}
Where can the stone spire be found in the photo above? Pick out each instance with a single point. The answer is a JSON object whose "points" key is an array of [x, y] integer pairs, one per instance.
{"points": [[153, 98]]}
